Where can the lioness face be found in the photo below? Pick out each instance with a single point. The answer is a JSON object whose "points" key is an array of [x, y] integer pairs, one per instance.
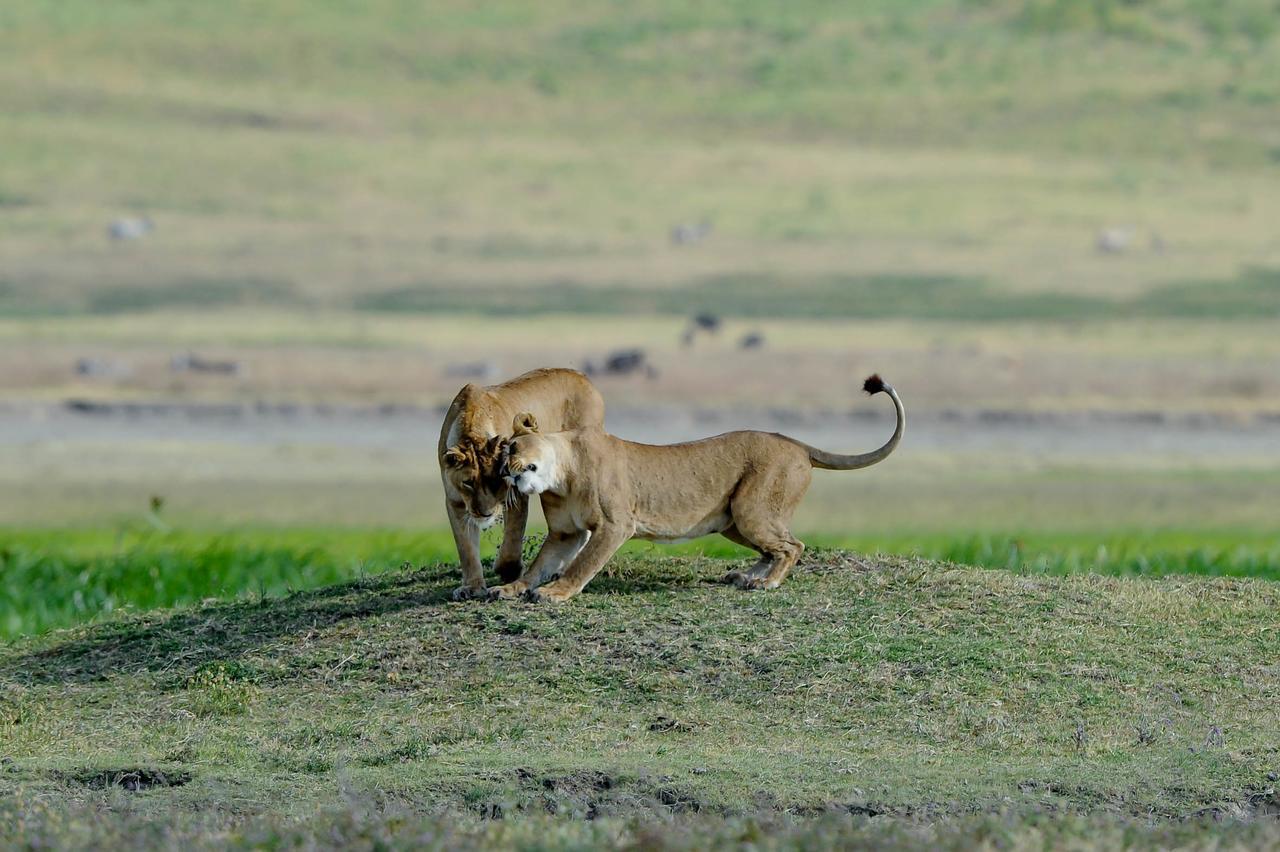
{"points": [[473, 473], [530, 465]]}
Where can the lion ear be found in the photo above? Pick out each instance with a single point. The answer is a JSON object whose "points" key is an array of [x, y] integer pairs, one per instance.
{"points": [[455, 457], [525, 424]]}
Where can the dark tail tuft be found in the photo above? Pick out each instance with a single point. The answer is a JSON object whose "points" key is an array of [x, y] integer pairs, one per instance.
{"points": [[873, 385]]}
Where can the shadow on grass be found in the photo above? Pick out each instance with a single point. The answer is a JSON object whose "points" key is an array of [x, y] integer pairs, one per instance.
{"points": [[180, 643], [659, 574]]}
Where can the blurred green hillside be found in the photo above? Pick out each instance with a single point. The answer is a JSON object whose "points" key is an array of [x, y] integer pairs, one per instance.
{"points": [[341, 154]]}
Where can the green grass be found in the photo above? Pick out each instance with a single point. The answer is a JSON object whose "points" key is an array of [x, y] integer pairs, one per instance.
{"points": [[660, 701], [59, 578], [198, 293], [1252, 294], [777, 67]]}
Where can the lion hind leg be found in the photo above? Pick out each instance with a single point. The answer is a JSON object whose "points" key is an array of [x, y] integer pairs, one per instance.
{"points": [[780, 552], [739, 577], [761, 509], [784, 562], [778, 548]]}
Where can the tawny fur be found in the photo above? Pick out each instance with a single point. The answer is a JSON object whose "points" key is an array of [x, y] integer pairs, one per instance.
{"points": [[598, 491], [471, 440]]}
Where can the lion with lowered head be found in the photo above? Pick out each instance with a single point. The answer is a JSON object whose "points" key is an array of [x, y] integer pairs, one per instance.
{"points": [[598, 491], [475, 428]]}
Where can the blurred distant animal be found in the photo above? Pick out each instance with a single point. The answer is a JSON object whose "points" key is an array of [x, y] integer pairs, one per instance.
{"points": [[704, 321], [1113, 240], [751, 340], [192, 363], [622, 362], [688, 233], [130, 228], [100, 368]]}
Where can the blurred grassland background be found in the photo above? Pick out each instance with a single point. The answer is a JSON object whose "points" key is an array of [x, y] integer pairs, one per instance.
{"points": [[351, 198], [1051, 224], [389, 155]]}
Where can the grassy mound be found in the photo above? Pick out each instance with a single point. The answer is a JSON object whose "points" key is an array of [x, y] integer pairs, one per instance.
{"points": [[899, 687]]}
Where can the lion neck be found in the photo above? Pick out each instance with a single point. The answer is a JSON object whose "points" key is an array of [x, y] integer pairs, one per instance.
{"points": [[562, 463]]}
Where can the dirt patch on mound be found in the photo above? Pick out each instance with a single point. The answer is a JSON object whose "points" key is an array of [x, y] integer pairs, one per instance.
{"points": [[129, 779], [590, 794]]}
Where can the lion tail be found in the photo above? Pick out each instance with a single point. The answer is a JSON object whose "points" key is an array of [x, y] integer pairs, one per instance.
{"points": [[834, 461]]}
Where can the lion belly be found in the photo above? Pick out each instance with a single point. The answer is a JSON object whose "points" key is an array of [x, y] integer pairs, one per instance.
{"points": [[665, 533]]}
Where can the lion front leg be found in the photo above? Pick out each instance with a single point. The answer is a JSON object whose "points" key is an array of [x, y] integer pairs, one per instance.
{"points": [[604, 542], [509, 563], [466, 536], [558, 549]]}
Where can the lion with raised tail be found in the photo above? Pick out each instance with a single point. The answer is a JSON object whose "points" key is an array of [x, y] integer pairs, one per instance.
{"points": [[598, 491], [470, 449]]}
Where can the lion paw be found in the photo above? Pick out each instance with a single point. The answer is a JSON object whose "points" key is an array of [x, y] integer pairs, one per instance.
{"points": [[466, 593], [507, 592], [747, 582], [554, 592], [735, 578]]}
